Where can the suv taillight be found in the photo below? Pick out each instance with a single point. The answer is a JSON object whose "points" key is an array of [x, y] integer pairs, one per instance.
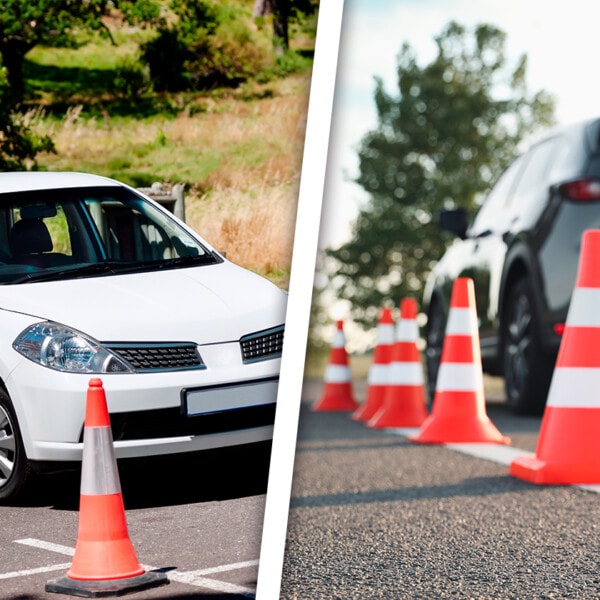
{"points": [[581, 190]]}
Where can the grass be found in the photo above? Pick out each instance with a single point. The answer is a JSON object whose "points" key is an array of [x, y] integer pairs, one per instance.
{"points": [[238, 152]]}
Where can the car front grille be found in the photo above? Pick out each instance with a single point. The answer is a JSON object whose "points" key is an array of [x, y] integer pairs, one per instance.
{"points": [[170, 422], [145, 357], [262, 345]]}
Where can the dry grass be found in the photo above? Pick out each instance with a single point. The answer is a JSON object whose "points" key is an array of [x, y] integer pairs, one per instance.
{"points": [[240, 160]]}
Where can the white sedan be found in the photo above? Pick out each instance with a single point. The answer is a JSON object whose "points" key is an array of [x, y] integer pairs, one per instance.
{"points": [[97, 280]]}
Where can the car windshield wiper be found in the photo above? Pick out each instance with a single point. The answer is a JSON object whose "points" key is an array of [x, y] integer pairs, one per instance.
{"points": [[115, 267], [185, 261], [73, 272]]}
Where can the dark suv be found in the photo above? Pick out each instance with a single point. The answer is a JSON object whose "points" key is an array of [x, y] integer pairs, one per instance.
{"points": [[522, 252]]}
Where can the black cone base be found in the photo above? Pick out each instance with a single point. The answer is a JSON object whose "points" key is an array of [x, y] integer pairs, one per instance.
{"points": [[108, 587]]}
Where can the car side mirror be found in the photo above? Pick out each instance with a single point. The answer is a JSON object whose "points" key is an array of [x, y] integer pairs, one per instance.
{"points": [[455, 220]]}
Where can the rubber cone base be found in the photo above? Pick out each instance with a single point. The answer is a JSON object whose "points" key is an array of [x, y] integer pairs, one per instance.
{"points": [[534, 470], [107, 588]]}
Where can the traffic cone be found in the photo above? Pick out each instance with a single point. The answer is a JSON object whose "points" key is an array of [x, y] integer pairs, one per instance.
{"points": [[458, 414], [104, 563], [568, 448], [404, 397], [378, 371], [337, 393]]}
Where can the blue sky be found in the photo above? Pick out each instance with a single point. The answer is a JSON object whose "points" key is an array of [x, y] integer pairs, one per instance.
{"points": [[558, 37]]}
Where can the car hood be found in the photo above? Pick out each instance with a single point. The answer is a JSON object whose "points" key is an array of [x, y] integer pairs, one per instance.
{"points": [[201, 304]]}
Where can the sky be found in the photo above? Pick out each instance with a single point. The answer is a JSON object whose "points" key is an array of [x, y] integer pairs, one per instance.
{"points": [[358, 40], [558, 36]]}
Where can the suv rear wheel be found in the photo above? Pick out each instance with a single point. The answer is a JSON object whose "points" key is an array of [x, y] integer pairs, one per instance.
{"points": [[527, 369]]}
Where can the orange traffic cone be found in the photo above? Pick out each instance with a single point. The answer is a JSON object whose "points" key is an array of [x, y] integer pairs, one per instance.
{"points": [[458, 414], [378, 371], [104, 563], [404, 397], [568, 448], [337, 393]]}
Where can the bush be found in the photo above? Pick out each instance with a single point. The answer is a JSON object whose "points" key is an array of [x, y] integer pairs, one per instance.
{"points": [[210, 45]]}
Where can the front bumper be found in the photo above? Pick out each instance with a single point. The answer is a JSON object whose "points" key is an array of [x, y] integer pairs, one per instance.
{"points": [[147, 410]]}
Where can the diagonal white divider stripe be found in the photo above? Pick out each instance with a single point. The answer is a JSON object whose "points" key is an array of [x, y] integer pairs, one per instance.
{"points": [[195, 578], [27, 572]]}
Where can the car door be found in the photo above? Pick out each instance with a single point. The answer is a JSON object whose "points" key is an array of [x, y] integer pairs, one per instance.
{"points": [[487, 250]]}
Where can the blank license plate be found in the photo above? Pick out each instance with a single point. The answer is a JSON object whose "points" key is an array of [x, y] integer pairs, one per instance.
{"points": [[211, 399]]}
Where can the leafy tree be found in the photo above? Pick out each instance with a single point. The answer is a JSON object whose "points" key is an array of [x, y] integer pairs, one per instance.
{"points": [[19, 145], [26, 23], [455, 125], [209, 44]]}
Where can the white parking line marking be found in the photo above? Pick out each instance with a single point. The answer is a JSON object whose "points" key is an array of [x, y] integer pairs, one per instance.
{"points": [[195, 578], [26, 572], [47, 546], [497, 453]]}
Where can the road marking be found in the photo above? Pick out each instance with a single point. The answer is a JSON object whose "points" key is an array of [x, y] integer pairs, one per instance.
{"points": [[47, 546], [195, 578], [498, 453], [26, 572]]}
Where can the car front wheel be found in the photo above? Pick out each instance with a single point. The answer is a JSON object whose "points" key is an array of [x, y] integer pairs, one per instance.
{"points": [[527, 370], [14, 466]]}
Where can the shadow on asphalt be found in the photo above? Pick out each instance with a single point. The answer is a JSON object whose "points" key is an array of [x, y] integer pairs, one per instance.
{"points": [[474, 486], [212, 475]]}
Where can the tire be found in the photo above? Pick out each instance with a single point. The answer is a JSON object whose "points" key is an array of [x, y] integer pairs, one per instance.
{"points": [[527, 369], [434, 337], [15, 470]]}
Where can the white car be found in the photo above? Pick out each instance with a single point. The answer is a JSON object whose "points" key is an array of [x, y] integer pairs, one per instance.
{"points": [[98, 280]]}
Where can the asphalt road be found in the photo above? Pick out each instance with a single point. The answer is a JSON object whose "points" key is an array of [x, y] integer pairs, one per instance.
{"points": [[373, 515], [197, 519]]}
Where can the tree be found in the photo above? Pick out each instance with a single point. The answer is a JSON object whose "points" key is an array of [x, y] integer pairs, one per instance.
{"points": [[26, 23], [282, 12], [455, 125], [19, 145]]}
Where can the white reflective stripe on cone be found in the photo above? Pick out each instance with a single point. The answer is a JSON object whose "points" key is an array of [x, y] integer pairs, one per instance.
{"points": [[339, 339], [583, 308], [575, 387], [99, 473], [459, 377], [408, 331], [378, 374], [406, 373], [462, 321], [385, 335], [337, 374]]}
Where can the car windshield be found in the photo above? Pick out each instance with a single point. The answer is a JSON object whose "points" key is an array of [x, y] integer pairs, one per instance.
{"points": [[83, 232]]}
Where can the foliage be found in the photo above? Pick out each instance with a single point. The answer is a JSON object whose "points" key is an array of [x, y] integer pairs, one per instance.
{"points": [[455, 125], [210, 44], [19, 144], [25, 24]]}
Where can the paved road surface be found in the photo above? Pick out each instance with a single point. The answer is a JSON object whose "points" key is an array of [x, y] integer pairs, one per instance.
{"points": [[375, 516], [200, 520]]}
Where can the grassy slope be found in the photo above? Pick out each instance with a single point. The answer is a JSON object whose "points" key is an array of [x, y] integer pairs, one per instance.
{"points": [[237, 151]]}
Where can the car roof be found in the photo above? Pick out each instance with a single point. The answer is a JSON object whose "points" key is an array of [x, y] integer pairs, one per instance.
{"points": [[23, 181]]}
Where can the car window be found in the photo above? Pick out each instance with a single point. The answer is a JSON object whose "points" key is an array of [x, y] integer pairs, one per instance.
{"points": [[493, 210], [56, 224], [89, 231], [532, 191]]}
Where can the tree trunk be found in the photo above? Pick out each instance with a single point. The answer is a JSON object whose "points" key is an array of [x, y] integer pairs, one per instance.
{"points": [[280, 9], [13, 56]]}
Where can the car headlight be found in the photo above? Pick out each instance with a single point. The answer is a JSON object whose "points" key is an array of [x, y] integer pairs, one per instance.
{"points": [[63, 349]]}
